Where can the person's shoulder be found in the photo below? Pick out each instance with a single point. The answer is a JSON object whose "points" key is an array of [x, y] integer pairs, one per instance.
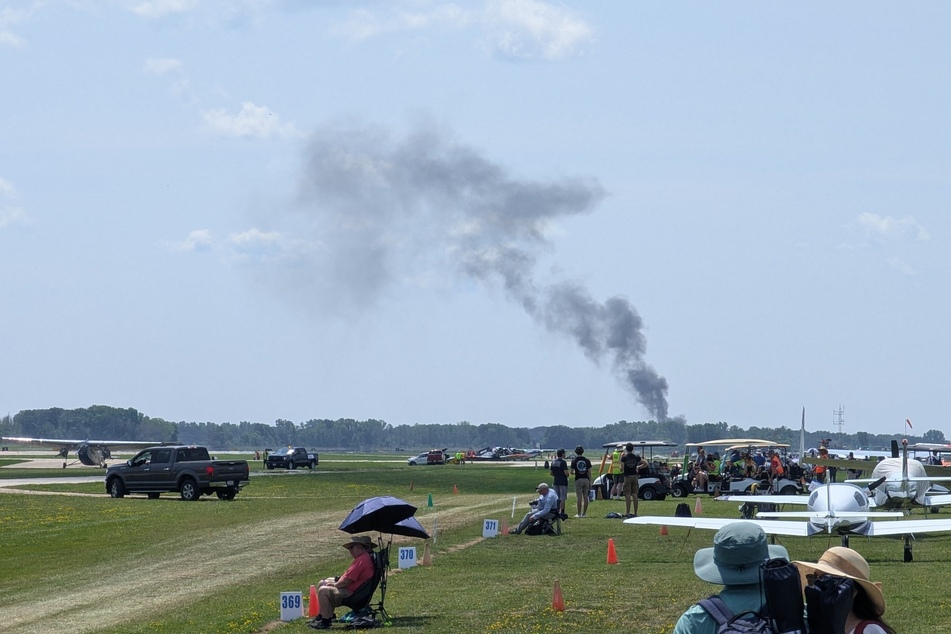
{"points": [[695, 620]]}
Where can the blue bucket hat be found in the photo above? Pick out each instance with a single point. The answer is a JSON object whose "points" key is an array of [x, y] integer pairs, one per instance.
{"points": [[738, 550]]}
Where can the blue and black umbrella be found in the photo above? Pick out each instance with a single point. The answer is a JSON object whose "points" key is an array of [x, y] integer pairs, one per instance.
{"points": [[382, 513]]}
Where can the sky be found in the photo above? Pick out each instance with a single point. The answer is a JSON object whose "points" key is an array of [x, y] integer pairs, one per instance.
{"points": [[519, 212]]}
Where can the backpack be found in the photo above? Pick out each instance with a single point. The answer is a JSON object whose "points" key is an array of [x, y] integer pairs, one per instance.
{"points": [[683, 510], [743, 623]]}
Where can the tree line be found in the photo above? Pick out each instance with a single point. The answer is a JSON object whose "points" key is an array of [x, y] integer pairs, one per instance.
{"points": [[101, 422]]}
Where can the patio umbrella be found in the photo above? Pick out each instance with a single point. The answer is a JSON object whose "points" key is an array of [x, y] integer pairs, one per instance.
{"points": [[409, 527], [381, 513]]}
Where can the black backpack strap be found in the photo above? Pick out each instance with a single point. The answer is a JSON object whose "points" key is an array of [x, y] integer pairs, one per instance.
{"points": [[715, 606]]}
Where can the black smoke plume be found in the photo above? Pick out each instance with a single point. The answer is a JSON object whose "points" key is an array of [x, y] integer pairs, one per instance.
{"points": [[384, 206]]}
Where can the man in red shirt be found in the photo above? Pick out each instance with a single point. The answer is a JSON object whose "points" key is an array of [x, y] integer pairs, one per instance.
{"points": [[331, 592]]}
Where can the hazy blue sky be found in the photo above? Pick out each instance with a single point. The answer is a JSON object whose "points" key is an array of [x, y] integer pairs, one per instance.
{"points": [[519, 211]]}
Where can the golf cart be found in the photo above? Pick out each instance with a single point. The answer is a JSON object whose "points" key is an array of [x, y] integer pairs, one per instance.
{"points": [[653, 486], [735, 481]]}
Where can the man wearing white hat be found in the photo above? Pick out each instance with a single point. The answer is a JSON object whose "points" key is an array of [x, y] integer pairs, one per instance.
{"points": [[543, 509], [734, 561]]}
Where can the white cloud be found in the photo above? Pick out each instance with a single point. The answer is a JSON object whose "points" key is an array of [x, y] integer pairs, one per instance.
{"points": [[890, 228], [517, 29], [364, 24], [252, 121], [154, 9], [9, 18], [901, 266], [9, 214], [161, 65], [197, 240], [531, 29]]}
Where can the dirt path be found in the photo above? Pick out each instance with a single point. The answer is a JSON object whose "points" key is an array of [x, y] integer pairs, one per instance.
{"points": [[93, 597]]}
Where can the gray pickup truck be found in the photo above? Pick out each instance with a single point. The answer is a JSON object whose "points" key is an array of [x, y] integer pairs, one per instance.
{"points": [[189, 471]]}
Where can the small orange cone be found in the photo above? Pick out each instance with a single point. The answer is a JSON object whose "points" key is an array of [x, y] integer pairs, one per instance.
{"points": [[612, 554], [597, 496], [557, 601], [455, 489], [312, 606], [698, 508], [663, 529], [505, 527], [427, 558]]}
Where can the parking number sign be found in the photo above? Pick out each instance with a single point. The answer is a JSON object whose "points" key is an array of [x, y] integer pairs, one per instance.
{"points": [[407, 557], [292, 606], [490, 528]]}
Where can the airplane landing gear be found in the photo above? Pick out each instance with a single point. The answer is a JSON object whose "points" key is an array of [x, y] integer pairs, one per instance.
{"points": [[845, 540], [908, 554]]}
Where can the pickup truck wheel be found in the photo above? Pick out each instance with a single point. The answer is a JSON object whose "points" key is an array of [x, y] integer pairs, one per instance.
{"points": [[154, 496], [227, 496], [189, 490], [311, 465], [291, 466], [116, 489]]}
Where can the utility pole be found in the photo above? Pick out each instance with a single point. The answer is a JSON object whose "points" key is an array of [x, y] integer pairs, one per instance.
{"points": [[838, 420]]}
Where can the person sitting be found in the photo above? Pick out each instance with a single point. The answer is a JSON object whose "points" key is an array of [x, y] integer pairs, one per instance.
{"points": [[544, 508], [834, 607], [333, 591]]}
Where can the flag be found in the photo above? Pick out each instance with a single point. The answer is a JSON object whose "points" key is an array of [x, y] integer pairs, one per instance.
{"points": [[908, 422]]}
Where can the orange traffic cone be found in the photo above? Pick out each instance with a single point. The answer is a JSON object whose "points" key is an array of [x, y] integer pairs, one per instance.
{"points": [[612, 554], [663, 529], [312, 606], [557, 601], [427, 558], [698, 508], [505, 527], [455, 489], [597, 496]]}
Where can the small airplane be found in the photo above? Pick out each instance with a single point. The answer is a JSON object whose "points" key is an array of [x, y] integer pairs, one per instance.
{"points": [[93, 453], [835, 508]]}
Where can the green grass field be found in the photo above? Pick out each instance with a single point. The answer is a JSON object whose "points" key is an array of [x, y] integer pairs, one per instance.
{"points": [[88, 563]]}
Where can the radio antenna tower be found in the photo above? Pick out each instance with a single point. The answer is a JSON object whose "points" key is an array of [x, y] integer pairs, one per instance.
{"points": [[838, 419]]}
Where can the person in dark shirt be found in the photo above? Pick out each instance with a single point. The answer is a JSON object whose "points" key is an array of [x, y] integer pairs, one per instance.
{"points": [[559, 471], [633, 466], [581, 468]]}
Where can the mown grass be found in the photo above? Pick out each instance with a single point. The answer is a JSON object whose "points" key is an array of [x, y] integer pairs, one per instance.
{"points": [[495, 585]]}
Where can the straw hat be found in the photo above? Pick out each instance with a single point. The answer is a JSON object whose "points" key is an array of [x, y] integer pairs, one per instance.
{"points": [[362, 540], [839, 561], [738, 550]]}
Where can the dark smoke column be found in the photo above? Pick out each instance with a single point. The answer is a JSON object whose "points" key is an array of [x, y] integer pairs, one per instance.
{"points": [[384, 204]]}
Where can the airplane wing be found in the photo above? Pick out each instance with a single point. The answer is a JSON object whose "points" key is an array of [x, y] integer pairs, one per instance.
{"points": [[44, 442], [842, 463], [942, 499], [909, 527], [766, 499], [74, 444], [772, 527]]}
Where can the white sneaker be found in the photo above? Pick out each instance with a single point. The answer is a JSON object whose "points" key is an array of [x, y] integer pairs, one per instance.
{"points": [[579, 515], [584, 515]]}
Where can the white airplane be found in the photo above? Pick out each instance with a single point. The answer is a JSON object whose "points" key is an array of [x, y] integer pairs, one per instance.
{"points": [[93, 453], [836, 508]]}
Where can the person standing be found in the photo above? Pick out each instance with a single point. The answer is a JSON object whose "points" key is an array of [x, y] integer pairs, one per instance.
{"points": [[559, 471], [581, 469], [616, 473], [632, 464]]}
